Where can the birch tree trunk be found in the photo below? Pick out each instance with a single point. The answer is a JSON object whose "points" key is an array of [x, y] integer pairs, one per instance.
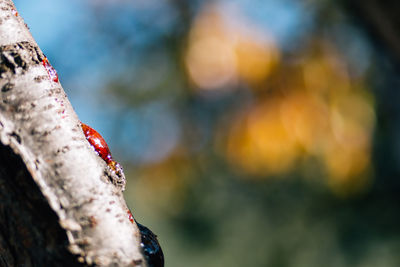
{"points": [[58, 204]]}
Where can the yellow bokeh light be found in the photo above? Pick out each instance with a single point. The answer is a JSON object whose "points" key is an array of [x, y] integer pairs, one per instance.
{"points": [[211, 63], [254, 60], [260, 143], [305, 118], [219, 55], [325, 115]]}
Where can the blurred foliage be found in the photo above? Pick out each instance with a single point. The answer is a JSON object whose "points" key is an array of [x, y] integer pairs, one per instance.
{"points": [[253, 133]]}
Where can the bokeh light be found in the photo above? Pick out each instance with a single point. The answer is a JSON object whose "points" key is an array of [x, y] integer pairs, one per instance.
{"points": [[219, 54], [260, 143]]}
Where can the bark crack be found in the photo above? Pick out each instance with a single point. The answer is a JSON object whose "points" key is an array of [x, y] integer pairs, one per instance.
{"points": [[18, 56]]}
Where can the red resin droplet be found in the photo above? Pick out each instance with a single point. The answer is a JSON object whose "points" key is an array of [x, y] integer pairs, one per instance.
{"points": [[97, 142], [130, 216], [101, 148], [50, 70]]}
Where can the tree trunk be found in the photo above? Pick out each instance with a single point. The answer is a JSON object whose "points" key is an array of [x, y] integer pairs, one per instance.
{"points": [[59, 202]]}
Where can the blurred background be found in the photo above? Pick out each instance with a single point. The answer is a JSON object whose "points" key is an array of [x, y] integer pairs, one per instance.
{"points": [[252, 133]]}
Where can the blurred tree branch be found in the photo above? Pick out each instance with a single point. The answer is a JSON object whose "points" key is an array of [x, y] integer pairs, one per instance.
{"points": [[381, 19]]}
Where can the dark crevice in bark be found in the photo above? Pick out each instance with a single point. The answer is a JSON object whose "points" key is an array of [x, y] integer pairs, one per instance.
{"points": [[22, 243], [12, 58], [7, 87]]}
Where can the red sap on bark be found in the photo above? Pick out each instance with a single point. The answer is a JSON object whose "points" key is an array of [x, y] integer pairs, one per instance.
{"points": [[101, 148]]}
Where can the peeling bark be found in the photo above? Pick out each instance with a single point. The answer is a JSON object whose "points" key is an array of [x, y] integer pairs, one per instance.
{"points": [[58, 203]]}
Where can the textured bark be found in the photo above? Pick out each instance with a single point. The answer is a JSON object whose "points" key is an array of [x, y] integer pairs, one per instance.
{"points": [[58, 203]]}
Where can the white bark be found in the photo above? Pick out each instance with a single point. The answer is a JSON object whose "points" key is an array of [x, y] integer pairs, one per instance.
{"points": [[46, 159]]}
